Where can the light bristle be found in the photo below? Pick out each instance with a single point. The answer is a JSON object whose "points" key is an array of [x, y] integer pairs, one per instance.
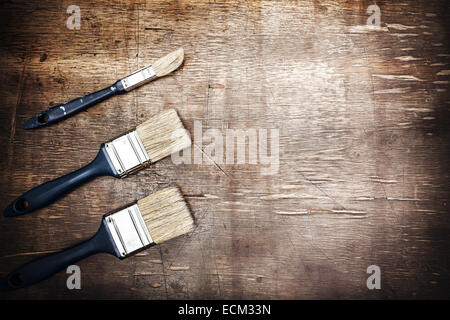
{"points": [[168, 63], [163, 134], [166, 214]]}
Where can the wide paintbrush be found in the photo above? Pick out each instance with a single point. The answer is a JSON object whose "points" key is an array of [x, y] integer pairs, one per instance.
{"points": [[154, 219], [156, 138]]}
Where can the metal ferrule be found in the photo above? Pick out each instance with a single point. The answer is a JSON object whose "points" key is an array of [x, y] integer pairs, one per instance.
{"points": [[138, 78], [128, 230], [127, 153]]}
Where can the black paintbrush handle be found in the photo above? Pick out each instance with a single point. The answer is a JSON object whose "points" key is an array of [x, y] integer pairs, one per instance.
{"points": [[65, 110], [50, 191], [45, 267]]}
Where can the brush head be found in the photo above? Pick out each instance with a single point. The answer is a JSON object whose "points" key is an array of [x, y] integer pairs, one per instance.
{"points": [[163, 134], [166, 214], [168, 63]]}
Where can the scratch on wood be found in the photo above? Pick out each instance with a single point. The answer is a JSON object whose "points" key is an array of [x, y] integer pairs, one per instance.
{"points": [[365, 29], [443, 73], [149, 274], [212, 161], [179, 268], [399, 26], [396, 77], [164, 272], [402, 35], [393, 90], [407, 58], [294, 195], [440, 82], [379, 180], [388, 199], [29, 253], [319, 211], [216, 86], [18, 99], [201, 196], [158, 29]]}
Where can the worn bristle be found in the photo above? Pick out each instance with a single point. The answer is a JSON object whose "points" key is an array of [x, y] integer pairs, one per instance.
{"points": [[168, 63], [163, 134], [166, 214]]}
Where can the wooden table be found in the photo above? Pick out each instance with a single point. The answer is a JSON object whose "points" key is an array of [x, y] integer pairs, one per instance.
{"points": [[362, 115]]}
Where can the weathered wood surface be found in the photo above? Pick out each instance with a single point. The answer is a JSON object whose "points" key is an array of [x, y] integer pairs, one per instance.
{"points": [[364, 140]]}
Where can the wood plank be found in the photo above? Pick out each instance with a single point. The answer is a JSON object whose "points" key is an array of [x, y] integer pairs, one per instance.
{"points": [[362, 116]]}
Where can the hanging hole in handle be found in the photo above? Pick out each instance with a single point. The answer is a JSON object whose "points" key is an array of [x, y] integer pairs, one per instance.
{"points": [[16, 280], [42, 118], [21, 204]]}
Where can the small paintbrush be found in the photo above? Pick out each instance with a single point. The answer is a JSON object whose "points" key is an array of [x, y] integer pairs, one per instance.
{"points": [[160, 68], [154, 219], [156, 138]]}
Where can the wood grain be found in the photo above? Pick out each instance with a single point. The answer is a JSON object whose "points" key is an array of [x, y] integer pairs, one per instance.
{"points": [[364, 143]]}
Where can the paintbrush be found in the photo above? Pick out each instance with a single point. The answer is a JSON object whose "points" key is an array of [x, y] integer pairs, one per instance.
{"points": [[154, 219], [160, 68], [156, 138]]}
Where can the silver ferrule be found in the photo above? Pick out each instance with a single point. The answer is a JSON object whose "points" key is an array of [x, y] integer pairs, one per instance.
{"points": [[138, 78], [128, 230], [127, 153]]}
